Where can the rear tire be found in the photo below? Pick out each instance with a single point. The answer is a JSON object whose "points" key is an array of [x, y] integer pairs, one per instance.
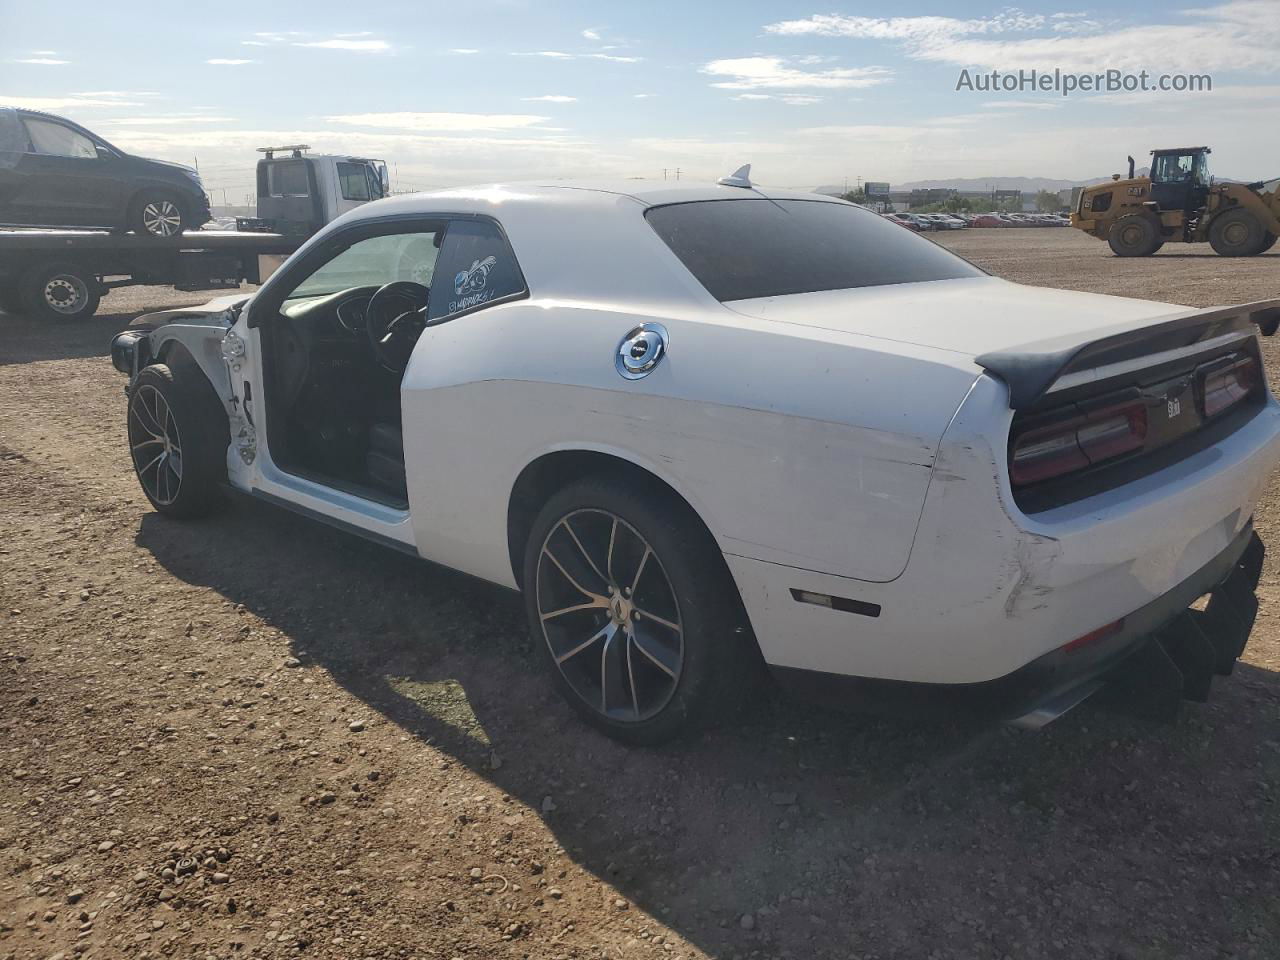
{"points": [[1268, 243], [631, 603], [1237, 233], [159, 214], [1134, 235], [178, 440], [60, 291]]}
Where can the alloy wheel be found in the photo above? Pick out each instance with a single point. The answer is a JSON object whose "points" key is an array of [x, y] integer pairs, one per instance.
{"points": [[162, 218], [609, 616], [155, 444]]}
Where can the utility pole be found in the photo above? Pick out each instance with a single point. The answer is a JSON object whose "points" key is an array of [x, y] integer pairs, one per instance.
{"points": [[664, 173], [677, 173]]}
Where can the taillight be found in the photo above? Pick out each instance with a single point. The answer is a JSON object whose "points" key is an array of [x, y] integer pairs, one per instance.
{"points": [[1077, 440], [1226, 382]]}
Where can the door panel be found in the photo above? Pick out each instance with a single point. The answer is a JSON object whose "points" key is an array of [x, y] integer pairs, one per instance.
{"points": [[66, 181]]}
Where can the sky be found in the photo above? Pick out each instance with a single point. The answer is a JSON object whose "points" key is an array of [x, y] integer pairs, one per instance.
{"points": [[809, 92]]}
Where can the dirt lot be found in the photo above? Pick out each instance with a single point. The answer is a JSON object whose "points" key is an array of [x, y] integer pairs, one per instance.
{"points": [[256, 737]]}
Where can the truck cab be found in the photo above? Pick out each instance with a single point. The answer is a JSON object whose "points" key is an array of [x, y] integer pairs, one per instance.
{"points": [[298, 192]]}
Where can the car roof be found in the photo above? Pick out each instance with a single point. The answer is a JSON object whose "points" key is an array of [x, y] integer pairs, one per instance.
{"points": [[490, 198]]}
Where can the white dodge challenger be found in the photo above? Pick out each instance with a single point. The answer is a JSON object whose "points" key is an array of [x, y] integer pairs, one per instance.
{"points": [[705, 427]]}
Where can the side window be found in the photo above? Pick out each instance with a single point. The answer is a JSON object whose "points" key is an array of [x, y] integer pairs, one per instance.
{"points": [[53, 139], [373, 262], [476, 267], [353, 180], [288, 178]]}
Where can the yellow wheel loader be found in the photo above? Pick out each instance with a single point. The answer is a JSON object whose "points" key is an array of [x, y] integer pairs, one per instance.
{"points": [[1180, 203]]}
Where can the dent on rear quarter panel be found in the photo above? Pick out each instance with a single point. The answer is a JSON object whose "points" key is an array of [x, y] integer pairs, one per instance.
{"points": [[968, 498]]}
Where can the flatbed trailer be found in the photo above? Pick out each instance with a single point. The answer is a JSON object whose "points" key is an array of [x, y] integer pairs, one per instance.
{"points": [[62, 274]]}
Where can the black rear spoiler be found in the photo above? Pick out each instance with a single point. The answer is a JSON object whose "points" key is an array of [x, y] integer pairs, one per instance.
{"points": [[1031, 369]]}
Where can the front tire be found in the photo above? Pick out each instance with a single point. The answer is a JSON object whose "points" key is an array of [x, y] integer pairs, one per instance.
{"points": [[630, 601], [159, 214], [1135, 235], [60, 291], [178, 441], [1237, 233]]}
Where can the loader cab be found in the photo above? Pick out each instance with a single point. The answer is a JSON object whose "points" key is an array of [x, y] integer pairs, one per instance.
{"points": [[1180, 178]]}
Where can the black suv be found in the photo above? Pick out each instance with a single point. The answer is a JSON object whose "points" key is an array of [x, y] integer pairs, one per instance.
{"points": [[55, 173]]}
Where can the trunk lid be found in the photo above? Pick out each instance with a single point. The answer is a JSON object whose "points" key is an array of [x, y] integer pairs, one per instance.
{"points": [[971, 316]]}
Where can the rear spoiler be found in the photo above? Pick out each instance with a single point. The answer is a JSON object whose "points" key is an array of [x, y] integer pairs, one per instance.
{"points": [[1031, 369]]}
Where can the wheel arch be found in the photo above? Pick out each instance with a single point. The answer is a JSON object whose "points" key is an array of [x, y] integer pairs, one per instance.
{"points": [[554, 469], [192, 348]]}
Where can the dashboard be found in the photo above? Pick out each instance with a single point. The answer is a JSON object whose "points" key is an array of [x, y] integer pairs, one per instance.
{"points": [[344, 313]]}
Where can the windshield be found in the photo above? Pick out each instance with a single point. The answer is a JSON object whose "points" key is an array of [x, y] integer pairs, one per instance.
{"points": [[748, 248]]}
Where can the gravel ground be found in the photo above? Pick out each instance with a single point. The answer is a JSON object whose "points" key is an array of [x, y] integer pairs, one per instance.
{"points": [[257, 737]]}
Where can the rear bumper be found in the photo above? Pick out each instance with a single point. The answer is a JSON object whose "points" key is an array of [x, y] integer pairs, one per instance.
{"points": [[1164, 652]]}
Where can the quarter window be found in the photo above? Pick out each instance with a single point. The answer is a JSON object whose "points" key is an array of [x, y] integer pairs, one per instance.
{"points": [[55, 140], [476, 267]]}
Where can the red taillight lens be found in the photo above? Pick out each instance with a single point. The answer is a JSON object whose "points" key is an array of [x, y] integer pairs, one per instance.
{"points": [[1225, 384], [1077, 441]]}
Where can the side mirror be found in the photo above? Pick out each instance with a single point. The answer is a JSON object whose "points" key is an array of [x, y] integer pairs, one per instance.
{"points": [[103, 152]]}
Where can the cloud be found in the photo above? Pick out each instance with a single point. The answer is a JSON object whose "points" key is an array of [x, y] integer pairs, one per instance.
{"points": [[1022, 104], [70, 101], [44, 61], [590, 35], [775, 73], [224, 62], [794, 99], [338, 43], [919, 29], [161, 121], [643, 96], [464, 50], [551, 98], [453, 122], [562, 55], [1237, 35]]}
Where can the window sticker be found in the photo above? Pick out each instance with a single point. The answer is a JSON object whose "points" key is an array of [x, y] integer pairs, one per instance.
{"points": [[469, 286]]}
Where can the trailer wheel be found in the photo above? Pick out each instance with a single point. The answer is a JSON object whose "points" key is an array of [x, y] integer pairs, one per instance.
{"points": [[157, 213], [60, 291], [1134, 235], [1237, 233]]}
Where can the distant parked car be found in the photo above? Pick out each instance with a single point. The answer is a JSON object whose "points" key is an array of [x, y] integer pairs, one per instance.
{"points": [[986, 220], [55, 173], [901, 221], [920, 221]]}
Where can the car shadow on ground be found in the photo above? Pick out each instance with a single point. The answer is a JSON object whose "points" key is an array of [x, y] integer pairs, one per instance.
{"points": [[25, 339], [837, 833]]}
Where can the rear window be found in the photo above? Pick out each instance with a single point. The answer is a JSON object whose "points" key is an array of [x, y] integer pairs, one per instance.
{"points": [[742, 249], [287, 178]]}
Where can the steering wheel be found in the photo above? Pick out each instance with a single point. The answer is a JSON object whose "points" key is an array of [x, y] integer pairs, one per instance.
{"points": [[394, 319]]}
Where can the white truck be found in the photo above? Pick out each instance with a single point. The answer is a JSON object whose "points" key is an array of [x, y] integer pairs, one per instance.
{"points": [[63, 274]]}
